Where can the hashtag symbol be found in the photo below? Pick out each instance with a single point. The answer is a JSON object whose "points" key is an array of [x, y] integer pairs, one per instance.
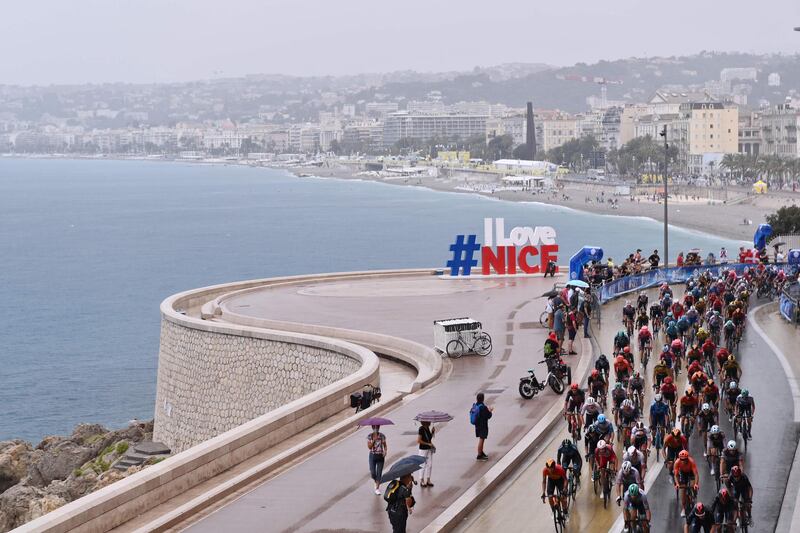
{"points": [[462, 255]]}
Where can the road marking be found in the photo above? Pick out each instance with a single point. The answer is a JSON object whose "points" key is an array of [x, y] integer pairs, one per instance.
{"points": [[787, 368]]}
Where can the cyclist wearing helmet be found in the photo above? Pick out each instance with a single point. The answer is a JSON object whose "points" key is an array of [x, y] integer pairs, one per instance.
{"points": [[641, 302], [715, 443], [573, 403], [708, 347], [685, 474], [745, 405], [602, 365], [628, 315], [554, 477], [699, 380], [622, 369], [732, 392], [636, 506], [636, 385], [659, 413], [640, 438], [706, 418], [673, 444], [700, 520], [731, 456], [669, 391], [724, 508], [656, 315], [711, 393], [626, 476], [590, 411], [621, 340], [741, 489], [596, 384], [618, 395], [604, 456], [628, 414], [688, 406], [568, 455], [731, 368], [590, 439], [636, 459], [605, 427], [660, 371]]}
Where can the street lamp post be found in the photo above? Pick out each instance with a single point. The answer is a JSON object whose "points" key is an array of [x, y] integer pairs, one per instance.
{"points": [[666, 196]]}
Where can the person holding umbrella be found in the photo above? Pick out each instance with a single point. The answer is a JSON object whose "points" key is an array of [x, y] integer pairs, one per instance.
{"points": [[400, 502], [425, 440], [378, 448]]}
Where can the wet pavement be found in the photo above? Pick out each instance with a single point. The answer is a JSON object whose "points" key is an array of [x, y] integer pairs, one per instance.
{"points": [[767, 460], [331, 490]]}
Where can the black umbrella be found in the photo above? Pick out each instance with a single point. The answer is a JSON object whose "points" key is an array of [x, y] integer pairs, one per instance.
{"points": [[549, 294], [404, 466]]}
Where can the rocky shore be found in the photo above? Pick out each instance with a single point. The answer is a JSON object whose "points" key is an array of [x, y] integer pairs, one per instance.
{"points": [[35, 480]]}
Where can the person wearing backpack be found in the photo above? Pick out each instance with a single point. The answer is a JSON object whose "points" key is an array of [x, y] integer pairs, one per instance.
{"points": [[399, 502], [479, 416], [378, 449]]}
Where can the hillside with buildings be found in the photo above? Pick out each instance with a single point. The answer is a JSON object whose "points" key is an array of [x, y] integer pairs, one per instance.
{"points": [[712, 104]]}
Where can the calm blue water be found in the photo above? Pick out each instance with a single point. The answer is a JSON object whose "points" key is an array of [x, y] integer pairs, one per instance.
{"points": [[88, 249]]}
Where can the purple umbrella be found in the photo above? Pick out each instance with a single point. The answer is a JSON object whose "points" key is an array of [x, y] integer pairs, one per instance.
{"points": [[433, 416], [376, 421]]}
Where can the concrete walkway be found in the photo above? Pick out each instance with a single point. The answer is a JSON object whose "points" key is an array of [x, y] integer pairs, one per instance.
{"points": [[331, 490]]}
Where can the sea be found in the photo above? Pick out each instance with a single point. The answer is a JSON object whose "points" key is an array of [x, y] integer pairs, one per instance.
{"points": [[90, 248]]}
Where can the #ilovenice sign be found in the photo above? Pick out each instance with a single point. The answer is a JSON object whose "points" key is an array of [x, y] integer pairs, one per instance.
{"points": [[524, 250]]}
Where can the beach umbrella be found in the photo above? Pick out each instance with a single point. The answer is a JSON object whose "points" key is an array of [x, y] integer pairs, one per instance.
{"points": [[578, 283], [375, 421], [433, 416], [405, 466]]}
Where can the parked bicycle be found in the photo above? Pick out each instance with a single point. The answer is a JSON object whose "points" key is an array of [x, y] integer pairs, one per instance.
{"points": [[479, 343]]}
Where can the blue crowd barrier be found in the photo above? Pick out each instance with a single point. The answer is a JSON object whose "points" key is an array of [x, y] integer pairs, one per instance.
{"points": [[788, 308], [652, 278]]}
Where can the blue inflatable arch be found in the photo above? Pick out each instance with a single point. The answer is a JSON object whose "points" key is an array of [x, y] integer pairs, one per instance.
{"points": [[761, 235], [584, 255]]}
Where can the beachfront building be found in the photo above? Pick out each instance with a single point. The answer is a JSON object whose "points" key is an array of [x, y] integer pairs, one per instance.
{"points": [[703, 133], [779, 131], [380, 109], [749, 133], [558, 129], [407, 125]]}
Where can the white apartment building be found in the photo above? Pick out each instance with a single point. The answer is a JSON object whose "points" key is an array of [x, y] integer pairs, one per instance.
{"points": [[403, 124], [779, 131], [380, 109]]}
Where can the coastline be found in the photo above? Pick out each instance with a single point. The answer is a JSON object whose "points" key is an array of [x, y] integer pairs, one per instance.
{"points": [[717, 219]]}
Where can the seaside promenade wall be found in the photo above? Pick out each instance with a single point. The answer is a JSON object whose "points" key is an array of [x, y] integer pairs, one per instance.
{"points": [[212, 381]]}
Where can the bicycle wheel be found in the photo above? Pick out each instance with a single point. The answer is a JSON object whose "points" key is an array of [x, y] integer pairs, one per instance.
{"points": [[456, 348], [483, 345], [556, 384], [543, 319]]}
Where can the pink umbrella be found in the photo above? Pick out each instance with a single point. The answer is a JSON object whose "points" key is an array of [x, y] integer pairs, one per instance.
{"points": [[376, 421]]}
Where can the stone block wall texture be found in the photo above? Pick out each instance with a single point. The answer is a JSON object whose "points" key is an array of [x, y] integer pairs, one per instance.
{"points": [[211, 382]]}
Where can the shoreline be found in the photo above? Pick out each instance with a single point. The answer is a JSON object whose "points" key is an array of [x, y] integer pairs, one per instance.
{"points": [[696, 221]]}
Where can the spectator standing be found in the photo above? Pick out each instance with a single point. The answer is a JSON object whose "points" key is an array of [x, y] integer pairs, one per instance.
{"points": [[679, 260], [426, 449], [376, 442], [723, 256], [480, 415], [559, 324], [572, 330], [586, 313], [654, 259], [400, 502]]}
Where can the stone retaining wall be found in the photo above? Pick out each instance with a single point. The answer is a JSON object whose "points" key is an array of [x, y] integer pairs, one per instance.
{"points": [[211, 382]]}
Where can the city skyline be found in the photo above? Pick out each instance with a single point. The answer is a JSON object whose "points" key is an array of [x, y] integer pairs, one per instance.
{"points": [[156, 42]]}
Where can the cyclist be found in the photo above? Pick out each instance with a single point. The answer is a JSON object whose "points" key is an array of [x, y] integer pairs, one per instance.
{"points": [[602, 365], [724, 509], [699, 380], [699, 520], [673, 445], [618, 395], [621, 340], [702, 333], [596, 385], [745, 407], [656, 315], [722, 357], [660, 372], [731, 368], [731, 456], [604, 427], [636, 387], [641, 302], [604, 456], [645, 338], [628, 355], [711, 394], [554, 478], [742, 490], [670, 392], [708, 347], [569, 455], [677, 310], [672, 328], [688, 408], [685, 473], [676, 347], [659, 413], [622, 369], [628, 415], [730, 333], [627, 476], [636, 502], [591, 438], [590, 411], [628, 316], [731, 394], [715, 443], [641, 320], [664, 289], [705, 421], [573, 403], [636, 458]]}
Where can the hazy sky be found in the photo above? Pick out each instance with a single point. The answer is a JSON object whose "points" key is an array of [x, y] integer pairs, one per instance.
{"points": [[75, 41]]}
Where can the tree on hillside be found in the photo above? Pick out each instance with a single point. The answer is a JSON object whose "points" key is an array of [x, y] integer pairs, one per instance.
{"points": [[785, 221]]}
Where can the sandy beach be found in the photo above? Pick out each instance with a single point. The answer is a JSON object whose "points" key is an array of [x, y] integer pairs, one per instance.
{"points": [[712, 216]]}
